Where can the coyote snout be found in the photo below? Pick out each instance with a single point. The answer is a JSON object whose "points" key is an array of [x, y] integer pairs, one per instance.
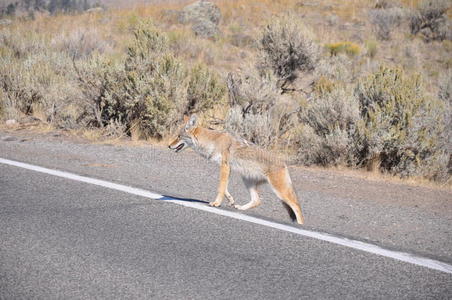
{"points": [[254, 164], [177, 145]]}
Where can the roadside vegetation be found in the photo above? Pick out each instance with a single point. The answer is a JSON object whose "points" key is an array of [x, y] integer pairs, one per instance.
{"points": [[365, 84]]}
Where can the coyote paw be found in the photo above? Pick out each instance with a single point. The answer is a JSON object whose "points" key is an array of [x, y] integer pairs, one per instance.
{"points": [[215, 203], [239, 207], [230, 200]]}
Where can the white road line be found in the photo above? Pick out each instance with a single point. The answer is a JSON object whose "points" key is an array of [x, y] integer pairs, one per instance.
{"points": [[370, 248]]}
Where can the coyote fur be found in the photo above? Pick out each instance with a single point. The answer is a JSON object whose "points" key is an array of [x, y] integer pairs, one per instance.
{"points": [[255, 165]]}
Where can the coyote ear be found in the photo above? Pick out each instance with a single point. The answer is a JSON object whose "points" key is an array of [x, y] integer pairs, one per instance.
{"points": [[192, 122]]}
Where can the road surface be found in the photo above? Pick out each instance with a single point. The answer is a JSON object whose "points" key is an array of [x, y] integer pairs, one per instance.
{"points": [[61, 238]]}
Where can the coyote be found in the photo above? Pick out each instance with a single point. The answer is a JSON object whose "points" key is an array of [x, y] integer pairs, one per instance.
{"points": [[255, 165]]}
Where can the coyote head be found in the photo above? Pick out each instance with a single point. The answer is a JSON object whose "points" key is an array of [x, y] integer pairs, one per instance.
{"points": [[186, 135]]}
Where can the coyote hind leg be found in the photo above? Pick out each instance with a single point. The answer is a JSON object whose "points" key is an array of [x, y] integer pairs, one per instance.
{"points": [[282, 186], [255, 200], [229, 197]]}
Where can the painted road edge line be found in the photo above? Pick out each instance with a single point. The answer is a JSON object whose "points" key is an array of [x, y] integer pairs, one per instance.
{"points": [[367, 247]]}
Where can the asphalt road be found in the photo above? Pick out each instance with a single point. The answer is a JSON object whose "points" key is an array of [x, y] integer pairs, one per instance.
{"points": [[65, 239]]}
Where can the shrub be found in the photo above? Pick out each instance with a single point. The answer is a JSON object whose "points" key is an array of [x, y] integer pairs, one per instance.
{"points": [[22, 43], [385, 21], [445, 87], [431, 20], [152, 89], [81, 43], [286, 47], [256, 128], [204, 91], [388, 121], [147, 43], [335, 69], [253, 91], [146, 98], [445, 95], [401, 125], [258, 111], [35, 81], [328, 123], [349, 48]]}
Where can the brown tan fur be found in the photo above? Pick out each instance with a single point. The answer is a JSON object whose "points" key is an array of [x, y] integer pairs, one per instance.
{"points": [[255, 165]]}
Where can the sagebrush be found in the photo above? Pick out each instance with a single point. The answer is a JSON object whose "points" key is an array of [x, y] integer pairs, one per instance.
{"points": [[152, 89], [287, 46], [259, 113], [401, 125], [431, 20]]}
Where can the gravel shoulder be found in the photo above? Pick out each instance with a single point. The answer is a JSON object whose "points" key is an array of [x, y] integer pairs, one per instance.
{"points": [[396, 216]]}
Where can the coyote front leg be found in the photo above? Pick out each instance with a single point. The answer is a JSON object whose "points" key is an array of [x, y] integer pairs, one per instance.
{"points": [[223, 186]]}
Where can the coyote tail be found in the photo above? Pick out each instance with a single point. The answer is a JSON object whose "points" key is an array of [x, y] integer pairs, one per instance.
{"points": [[290, 211]]}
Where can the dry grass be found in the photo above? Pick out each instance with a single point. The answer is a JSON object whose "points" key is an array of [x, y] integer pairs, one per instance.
{"points": [[245, 16]]}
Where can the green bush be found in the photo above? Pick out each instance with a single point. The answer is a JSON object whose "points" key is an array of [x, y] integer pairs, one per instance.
{"points": [[401, 126]]}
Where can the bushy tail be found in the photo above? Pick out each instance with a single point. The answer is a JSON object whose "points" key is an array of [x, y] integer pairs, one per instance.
{"points": [[290, 211]]}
